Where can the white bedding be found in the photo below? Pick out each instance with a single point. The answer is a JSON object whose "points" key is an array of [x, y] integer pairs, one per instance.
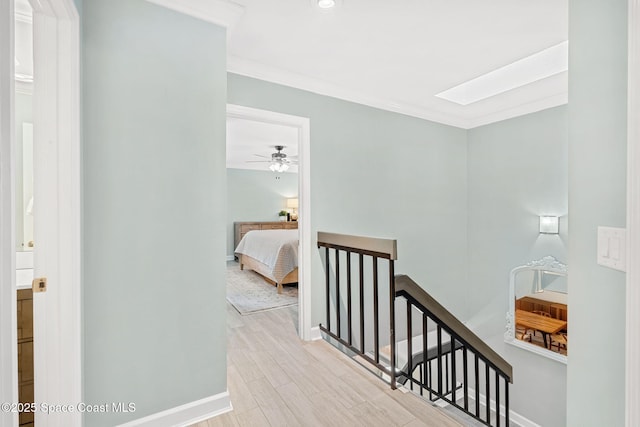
{"points": [[277, 249]]}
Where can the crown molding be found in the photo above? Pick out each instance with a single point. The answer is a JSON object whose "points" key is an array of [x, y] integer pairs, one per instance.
{"points": [[261, 71], [219, 12], [520, 110]]}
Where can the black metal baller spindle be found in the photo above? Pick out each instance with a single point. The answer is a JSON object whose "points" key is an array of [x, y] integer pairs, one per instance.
{"points": [[339, 329], [376, 326], [328, 280], [349, 333]]}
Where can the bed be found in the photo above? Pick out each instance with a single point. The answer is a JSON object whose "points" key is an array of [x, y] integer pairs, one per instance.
{"points": [[271, 253]]}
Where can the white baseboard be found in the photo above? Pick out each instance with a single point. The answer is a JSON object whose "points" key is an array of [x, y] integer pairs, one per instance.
{"points": [[514, 417], [187, 414], [316, 334], [230, 258]]}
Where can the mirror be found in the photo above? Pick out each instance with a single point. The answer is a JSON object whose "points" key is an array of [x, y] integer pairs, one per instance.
{"points": [[537, 319], [23, 109]]}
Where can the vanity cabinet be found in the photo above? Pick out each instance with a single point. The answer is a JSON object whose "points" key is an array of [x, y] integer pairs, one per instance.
{"points": [[25, 353]]}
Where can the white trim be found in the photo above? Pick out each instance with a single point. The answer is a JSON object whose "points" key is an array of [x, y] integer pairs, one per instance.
{"points": [[249, 68], [230, 258], [25, 88], [632, 348], [304, 196], [187, 414], [8, 322], [219, 12], [514, 417], [57, 312], [316, 334], [260, 71], [519, 110]]}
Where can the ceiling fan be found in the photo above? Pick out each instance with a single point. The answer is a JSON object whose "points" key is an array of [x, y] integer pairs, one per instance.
{"points": [[279, 161]]}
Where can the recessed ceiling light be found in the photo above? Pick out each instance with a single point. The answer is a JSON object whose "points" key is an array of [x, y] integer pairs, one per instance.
{"points": [[549, 62], [326, 4]]}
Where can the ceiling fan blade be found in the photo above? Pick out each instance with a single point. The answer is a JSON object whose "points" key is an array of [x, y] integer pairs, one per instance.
{"points": [[258, 161], [264, 157]]}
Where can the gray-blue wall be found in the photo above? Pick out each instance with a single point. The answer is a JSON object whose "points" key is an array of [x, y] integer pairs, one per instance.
{"points": [[254, 195], [597, 196], [154, 176], [381, 174], [517, 172]]}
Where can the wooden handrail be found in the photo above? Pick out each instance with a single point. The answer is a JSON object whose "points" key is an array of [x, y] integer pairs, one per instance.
{"points": [[407, 287], [383, 248]]}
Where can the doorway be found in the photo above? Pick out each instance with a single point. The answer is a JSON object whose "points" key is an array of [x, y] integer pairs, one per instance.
{"points": [[301, 124]]}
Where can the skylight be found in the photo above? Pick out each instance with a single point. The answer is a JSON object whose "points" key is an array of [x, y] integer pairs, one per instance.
{"points": [[551, 61]]}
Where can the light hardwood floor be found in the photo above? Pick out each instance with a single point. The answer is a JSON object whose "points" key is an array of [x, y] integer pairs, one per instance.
{"points": [[275, 379]]}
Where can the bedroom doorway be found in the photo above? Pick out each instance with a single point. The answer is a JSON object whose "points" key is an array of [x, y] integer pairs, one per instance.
{"points": [[273, 191]]}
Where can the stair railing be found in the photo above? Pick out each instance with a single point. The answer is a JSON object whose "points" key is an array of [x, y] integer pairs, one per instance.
{"points": [[451, 346], [358, 247], [435, 351]]}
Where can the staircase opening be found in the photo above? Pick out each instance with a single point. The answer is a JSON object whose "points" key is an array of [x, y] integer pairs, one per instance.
{"points": [[394, 326]]}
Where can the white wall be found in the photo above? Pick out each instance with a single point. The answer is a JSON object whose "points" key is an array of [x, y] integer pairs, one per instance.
{"points": [[256, 196]]}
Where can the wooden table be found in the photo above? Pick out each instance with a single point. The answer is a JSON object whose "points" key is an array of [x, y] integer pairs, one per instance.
{"points": [[546, 325]]}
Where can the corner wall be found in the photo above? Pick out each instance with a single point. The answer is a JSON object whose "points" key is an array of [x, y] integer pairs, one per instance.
{"points": [[381, 174], [517, 172], [597, 196], [154, 178]]}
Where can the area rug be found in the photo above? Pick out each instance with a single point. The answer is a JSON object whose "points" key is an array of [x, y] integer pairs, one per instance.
{"points": [[249, 293]]}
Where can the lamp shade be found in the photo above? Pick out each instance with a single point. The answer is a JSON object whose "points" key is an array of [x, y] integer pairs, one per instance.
{"points": [[292, 203]]}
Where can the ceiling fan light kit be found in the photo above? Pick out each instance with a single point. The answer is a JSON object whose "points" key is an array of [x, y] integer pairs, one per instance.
{"points": [[279, 161], [326, 4]]}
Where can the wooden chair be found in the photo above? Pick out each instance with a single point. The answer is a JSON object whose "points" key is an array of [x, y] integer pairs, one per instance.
{"points": [[521, 333], [559, 340], [540, 313]]}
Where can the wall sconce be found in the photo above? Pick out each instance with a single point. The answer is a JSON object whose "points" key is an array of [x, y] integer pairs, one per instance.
{"points": [[549, 225], [293, 204]]}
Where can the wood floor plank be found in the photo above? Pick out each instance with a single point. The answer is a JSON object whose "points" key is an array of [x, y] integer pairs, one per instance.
{"points": [[254, 418], [271, 370], [239, 392], [300, 405], [275, 380], [227, 419], [271, 403]]}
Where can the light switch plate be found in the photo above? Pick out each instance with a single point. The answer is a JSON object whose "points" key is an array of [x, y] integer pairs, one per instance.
{"points": [[612, 247]]}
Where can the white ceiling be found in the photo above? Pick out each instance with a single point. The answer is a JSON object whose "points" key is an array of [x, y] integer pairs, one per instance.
{"points": [[397, 55], [247, 140], [394, 55]]}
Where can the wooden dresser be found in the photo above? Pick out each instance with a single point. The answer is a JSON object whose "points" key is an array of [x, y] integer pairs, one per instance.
{"points": [[242, 228], [25, 353]]}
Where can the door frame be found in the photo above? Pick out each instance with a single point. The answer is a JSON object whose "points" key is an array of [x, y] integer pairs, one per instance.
{"points": [[304, 198], [57, 312], [8, 321], [632, 341]]}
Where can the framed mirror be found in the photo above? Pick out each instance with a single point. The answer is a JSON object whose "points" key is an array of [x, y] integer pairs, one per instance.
{"points": [[537, 319]]}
